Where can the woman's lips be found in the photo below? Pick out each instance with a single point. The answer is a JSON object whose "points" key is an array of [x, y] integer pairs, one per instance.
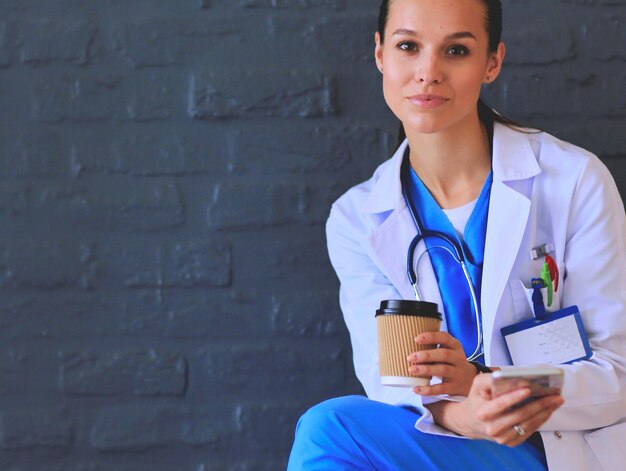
{"points": [[427, 101]]}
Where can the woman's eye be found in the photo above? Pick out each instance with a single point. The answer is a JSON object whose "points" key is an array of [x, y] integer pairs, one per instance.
{"points": [[458, 51], [407, 46]]}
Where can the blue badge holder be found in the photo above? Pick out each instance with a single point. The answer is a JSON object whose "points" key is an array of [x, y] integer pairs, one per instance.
{"points": [[557, 339]]}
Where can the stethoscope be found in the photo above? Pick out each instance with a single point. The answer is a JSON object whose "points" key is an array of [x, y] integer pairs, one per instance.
{"points": [[457, 254]]}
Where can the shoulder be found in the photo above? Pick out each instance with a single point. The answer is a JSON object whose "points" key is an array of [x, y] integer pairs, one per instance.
{"points": [[574, 178], [560, 159], [377, 194], [589, 175], [551, 148]]}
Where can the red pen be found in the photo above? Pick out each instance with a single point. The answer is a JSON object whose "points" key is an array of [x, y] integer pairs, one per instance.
{"points": [[554, 271]]}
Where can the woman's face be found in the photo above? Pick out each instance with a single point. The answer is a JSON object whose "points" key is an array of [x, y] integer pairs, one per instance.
{"points": [[434, 60]]}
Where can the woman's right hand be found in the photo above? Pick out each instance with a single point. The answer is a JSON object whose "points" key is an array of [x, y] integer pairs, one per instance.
{"points": [[492, 418]]}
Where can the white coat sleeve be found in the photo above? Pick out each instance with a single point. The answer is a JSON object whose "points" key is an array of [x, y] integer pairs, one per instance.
{"points": [[362, 287], [595, 281]]}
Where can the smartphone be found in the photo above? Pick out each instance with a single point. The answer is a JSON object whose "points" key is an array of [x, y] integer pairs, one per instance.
{"points": [[542, 381]]}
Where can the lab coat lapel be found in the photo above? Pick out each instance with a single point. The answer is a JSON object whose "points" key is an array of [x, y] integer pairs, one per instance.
{"points": [[514, 165], [394, 230]]}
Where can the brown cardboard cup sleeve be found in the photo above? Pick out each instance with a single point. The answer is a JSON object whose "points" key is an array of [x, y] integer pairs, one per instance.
{"points": [[398, 322]]}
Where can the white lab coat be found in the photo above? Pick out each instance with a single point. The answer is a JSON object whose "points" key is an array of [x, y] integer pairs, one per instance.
{"points": [[544, 190]]}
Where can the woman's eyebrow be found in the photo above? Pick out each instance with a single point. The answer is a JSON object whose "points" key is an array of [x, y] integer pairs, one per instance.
{"points": [[457, 35]]}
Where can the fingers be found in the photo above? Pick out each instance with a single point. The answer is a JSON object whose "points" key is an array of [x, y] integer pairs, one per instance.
{"points": [[531, 425], [435, 390], [481, 386], [530, 417], [443, 339], [450, 349], [502, 404], [442, 370], [438, 355]]}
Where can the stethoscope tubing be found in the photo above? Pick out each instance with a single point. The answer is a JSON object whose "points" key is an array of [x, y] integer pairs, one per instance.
{"points": [[458, 255]]}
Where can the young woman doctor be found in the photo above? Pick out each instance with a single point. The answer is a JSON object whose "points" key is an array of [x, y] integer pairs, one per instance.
{"points": [[502, 191]]}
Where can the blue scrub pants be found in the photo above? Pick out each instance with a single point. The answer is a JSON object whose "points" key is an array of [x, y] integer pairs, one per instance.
{"points": [[356, 433]]}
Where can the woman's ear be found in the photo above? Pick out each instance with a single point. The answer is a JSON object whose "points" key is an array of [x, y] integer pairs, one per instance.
{"points": [[378, 52], [494, 65]]}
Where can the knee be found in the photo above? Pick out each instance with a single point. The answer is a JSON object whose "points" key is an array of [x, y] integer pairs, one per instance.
{"points": [[323, 417]]}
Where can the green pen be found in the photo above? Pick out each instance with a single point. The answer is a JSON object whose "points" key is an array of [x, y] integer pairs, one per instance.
{"points": [[545, 276]]}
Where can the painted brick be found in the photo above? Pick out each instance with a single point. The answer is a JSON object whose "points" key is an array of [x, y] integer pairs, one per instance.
{"points": [[340, 40], [208, 316], [33, 427], [98, 98], [151, 99], [34, 154], [149, 153], [177, 264], [261, 94], [260, 464], [307, 314], [241, 205], [273, 424], [172, 41], [593, 136], [144, 205], [5, 46], [331, 4], [78, 99], [13, 364], [540, 43], [612, 31], [104, 311], [303, 150], [45, 40], [274, 371], [46, 265], [143, 373], [319, 198], [289, 263], [594, 2], [13, 198], [588, 95], [139, 428], [122, 465]]}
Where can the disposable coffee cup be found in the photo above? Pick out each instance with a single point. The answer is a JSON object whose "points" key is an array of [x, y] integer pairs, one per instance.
{"points": [[398, 323]]}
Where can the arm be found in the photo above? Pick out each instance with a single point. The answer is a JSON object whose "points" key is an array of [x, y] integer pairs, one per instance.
{"points": [[482, 416], [363, 286], [595, 281]]}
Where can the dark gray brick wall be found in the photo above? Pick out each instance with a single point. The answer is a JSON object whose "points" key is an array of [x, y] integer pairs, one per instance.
{"points": [[166, 168]]}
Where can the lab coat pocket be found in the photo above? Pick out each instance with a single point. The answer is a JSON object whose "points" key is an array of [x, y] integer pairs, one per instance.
{"points": [[523, 299], [607, 445]]}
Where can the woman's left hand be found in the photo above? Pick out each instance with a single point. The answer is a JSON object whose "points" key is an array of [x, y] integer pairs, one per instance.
{"points": [[448, 362]]}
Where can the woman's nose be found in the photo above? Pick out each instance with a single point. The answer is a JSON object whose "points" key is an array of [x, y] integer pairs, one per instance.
{"points": [[429, 70]]}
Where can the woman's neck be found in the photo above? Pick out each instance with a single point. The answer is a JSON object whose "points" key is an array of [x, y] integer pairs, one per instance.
{"points": [[453, 164]]}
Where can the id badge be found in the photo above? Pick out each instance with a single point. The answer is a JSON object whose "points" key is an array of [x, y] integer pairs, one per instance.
{"points": [[558, 339]]}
